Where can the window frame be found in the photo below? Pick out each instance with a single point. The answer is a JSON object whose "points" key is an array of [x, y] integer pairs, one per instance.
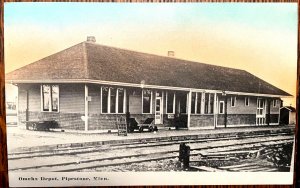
{"points": [[222, 108], [51, 98], [151, 101], [210, 105], [247, 100], [234, 105], [116, 100], [167, 94], [198, 97]]}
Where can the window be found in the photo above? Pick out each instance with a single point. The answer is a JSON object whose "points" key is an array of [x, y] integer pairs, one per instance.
{"points": [[246, 101], [221, 107], [233, 101], [170, 100], [274, 103], [193, 106], [182, 103], [50, 98], [260, 107], [104, 97], [196, 103], [208, 103], [121, 100], [112, 100], [211, 103], [54, 98], [147, 101]]}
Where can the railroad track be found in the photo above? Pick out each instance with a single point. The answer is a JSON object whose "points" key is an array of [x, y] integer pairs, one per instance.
{"points": [[92, 158], [142, 144]]}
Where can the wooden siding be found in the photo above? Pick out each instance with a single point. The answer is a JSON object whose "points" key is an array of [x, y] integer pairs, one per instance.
{"points": [[34, 97], [70, 121], [95, 103], [241, 119], [103, 121], [71, 98], [275, 110], [201, 121], [240, 107], [21, 99]]}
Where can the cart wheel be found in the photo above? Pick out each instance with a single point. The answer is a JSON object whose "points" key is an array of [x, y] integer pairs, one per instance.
{"points": [[151, 129], [141, 129]]}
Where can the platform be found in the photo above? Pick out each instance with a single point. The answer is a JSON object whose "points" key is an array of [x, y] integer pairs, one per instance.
{"points": [[26, 140]]}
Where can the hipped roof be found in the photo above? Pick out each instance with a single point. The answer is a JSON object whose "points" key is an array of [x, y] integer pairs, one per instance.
{"points": [[92, 61]]}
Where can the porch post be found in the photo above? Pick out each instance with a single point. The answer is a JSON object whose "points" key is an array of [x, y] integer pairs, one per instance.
{"points": [[86, 107], [215, 110], [189, 109], [225, 112], [268, 112]]}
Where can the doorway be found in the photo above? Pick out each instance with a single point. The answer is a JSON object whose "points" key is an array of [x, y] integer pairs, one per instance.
{"points": [[261, 112], [158, 109]]}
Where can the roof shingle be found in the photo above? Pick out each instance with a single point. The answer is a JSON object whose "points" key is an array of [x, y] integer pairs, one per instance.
{"points": [[92, 61]]}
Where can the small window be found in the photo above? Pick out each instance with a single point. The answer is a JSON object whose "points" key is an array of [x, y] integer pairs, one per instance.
{"points": [[50, 98], [233, 101], [147, 100], [221, 107], [247, 100]]}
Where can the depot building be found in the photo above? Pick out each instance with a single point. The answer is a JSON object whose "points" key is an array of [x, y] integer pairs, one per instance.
{"points": [[87, 86]]}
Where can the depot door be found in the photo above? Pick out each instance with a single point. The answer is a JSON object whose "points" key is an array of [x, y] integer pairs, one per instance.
{"points": [[261, 112], [158, 110]]}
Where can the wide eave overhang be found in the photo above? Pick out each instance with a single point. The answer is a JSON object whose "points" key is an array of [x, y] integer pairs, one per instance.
{"points": [[91, 81]]}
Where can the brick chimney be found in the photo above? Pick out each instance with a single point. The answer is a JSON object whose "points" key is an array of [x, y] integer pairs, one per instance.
{"points": [[91, 39], [171, 53]]}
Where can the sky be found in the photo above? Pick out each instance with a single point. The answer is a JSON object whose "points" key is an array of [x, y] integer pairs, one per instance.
{"points": [[260, 38]]}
